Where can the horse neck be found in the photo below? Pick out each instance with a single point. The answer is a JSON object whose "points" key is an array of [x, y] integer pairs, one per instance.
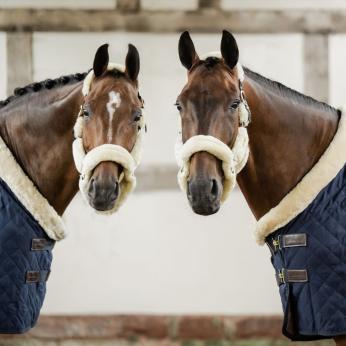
{"points": [[38, 129], [286, 139]]}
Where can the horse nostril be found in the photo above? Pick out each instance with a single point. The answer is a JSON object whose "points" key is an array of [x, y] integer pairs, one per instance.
{"points": [[214, 188], [188, 192], [92, 189], [115, 192]]}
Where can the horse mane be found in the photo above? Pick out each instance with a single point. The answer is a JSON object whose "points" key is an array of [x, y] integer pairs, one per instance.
{"points": [[46, 84], [284, 90], [276, 87], [52, 83]]}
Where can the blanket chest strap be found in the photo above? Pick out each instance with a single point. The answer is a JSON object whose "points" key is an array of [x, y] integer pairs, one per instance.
{"points": [[41, 244], [37, 276], [288, 241], [284, 276]]}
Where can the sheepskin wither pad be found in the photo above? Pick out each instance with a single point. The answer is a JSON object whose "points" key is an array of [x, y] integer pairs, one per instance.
{"points": [[306, 233], [233, 159], [86, 162], [29, 227]]}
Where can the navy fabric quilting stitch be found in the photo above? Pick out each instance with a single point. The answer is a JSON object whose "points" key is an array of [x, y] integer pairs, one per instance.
{"points": [[324, 258], [20, 302]]}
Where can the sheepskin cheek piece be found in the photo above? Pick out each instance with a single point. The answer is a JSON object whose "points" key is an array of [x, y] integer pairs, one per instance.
{"points": [[233, 160], [86, 162]]}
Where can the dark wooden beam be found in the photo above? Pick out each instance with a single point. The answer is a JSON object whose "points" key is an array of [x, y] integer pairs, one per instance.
{"points": [[249, 21], [128, 5]]}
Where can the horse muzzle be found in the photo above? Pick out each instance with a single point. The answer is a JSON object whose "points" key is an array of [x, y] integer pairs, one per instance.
{"points": [[204, 195], [104, 187]]}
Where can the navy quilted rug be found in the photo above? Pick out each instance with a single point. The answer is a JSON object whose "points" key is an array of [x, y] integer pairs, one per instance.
{"points": [[315, 309], [25, 260]]}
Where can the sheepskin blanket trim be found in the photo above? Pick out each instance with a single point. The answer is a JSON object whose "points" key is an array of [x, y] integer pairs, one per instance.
{"points": [[298, 199], [233, 160], [26, 192], [86, 162]]}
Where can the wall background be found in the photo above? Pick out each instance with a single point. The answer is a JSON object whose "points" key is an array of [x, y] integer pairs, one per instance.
{"points": [[155, 256]]}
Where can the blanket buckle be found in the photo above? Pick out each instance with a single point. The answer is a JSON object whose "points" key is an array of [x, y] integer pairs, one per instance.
{"points": [[277, 244], [281, 277]]}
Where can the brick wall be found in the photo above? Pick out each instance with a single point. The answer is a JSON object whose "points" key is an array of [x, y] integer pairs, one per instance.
{"points": [[148, 330]]}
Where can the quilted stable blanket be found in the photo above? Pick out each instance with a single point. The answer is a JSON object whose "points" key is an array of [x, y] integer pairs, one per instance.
{"points": [[29, 227], [25, 259], [306, 234]]}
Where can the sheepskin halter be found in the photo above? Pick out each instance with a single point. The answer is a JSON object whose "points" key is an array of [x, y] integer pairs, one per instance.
{"points": [[233, 159], [86, 162]]}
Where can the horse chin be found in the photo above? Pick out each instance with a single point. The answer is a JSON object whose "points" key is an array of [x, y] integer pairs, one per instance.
{"points": [[205, 209], [104, 202], [102, 205]]}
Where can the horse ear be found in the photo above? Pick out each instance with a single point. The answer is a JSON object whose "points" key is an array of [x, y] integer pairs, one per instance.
{"points": [[187, 52], [101, 60], [229, 49], [132, 62]]}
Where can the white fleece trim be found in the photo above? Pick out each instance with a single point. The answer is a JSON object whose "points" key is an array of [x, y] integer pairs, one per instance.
{"points": [[233, 160], [86, 162], [298, 199], [24, 189]]}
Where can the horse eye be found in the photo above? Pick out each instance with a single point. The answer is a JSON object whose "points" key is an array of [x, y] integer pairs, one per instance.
{"points": [[138, 115], [85, 112], [178, 105], [235, 105]]}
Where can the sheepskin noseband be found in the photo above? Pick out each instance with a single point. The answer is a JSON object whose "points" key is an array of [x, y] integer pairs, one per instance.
{"points": [[233, 159], [86, 162]]}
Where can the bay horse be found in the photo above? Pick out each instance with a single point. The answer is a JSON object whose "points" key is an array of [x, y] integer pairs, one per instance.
{"points": [[77, 130], [287, 154]]}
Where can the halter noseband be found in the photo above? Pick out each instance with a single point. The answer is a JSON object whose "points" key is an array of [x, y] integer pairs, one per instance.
{"points": [[233, 159], [87, 161]]}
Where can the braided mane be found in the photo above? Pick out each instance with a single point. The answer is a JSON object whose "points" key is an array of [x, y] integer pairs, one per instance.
{"points": [[46, 84]]}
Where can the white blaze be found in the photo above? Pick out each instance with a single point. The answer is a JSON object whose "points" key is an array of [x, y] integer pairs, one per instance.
{"points": [[113, 103]]}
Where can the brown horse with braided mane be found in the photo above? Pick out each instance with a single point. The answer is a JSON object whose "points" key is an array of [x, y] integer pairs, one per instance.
{"points": [[290, 137], [79, 130], [37, 126]]}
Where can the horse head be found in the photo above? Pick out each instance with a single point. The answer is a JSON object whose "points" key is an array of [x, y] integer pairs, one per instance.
{"points": [[108, 128], [212, 111]]}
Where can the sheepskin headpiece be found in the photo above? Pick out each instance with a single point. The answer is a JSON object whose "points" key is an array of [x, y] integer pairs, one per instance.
{"points": [[86, 162]]}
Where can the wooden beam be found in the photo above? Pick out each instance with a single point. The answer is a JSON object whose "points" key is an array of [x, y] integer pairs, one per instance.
{"points": [[19, 60], [128, 5], [209, 4], [316, 66], [246, 21]]}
